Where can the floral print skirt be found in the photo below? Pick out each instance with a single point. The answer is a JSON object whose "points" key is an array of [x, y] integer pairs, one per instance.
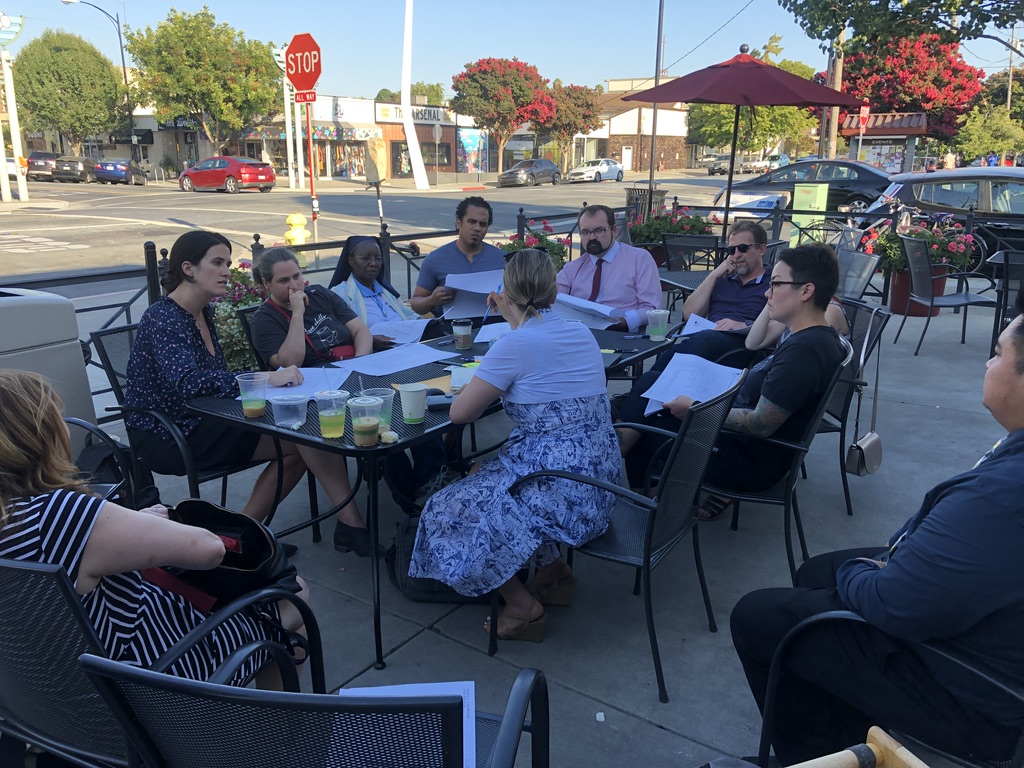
{"points": [[474, 535]]}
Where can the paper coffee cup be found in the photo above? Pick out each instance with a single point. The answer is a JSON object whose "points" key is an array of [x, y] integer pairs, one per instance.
{"points": [[414, 402]]}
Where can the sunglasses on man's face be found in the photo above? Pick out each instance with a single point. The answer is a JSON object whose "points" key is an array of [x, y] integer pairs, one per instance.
{"points": [[742, 248]]}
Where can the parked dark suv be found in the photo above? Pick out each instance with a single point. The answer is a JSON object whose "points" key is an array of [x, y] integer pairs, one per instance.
{"points": [[995, 195], [41, 164], [530, 173]]}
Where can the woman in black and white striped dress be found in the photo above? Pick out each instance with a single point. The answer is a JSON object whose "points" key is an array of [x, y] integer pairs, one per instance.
{"points": [[48, 516]]}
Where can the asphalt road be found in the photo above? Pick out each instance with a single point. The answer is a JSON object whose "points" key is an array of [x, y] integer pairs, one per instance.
{"points": [[105, 226]]}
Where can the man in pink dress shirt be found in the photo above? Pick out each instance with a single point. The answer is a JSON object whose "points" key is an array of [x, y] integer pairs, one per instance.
{"points": [[611, 273]]}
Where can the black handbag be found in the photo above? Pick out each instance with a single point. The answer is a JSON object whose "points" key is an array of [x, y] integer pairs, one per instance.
{"points": [[253, 558], [864, 456]]}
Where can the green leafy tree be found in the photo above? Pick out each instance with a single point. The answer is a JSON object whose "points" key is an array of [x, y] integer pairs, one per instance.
{"points": [[191, 66], [65, 84], [884, 19], [433, 91], [988, 129], [994, 91], [576, 111], [501, 95]]}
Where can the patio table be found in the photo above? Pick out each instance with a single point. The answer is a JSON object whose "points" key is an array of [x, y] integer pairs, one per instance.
{"points": [[1009, 264], [434, 424]]}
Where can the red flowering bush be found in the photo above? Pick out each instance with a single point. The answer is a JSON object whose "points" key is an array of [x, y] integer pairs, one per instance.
{"points": [[678, 222], [242, 292], [946, 245]]}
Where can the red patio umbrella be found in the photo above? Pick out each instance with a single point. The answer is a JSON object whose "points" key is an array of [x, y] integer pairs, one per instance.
{"points": [[745, 82]]}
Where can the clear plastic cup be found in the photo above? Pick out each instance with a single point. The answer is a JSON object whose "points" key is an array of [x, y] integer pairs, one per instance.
{"points": [[387, 395], [289, 410], [365, 413], [657, 324], [330, 405], [253, 388], [463, 331], [414, 402]]}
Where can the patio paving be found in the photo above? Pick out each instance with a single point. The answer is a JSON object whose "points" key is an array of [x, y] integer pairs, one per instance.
{"points": [[604, 704]]}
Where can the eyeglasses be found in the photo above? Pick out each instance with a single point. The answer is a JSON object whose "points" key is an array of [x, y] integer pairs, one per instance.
{"points": [[776, 283], [742, 248], [599, 232]]}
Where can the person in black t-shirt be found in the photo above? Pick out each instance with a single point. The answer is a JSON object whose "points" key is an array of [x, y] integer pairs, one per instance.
{"points": [[302, 325], [777, 400]]}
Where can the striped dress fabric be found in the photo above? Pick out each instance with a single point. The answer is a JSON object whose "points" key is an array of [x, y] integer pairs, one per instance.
{"points": [[136, 621]]}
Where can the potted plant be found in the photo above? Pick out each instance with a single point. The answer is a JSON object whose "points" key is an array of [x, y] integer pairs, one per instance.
{"points": [[948, 246], [681, 221], [242, 292], [544, 239]]}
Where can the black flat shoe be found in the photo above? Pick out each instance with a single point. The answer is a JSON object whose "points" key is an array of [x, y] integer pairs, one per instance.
{"points": [[350, 539]]}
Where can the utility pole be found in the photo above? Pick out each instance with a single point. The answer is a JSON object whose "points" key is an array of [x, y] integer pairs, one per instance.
{"points": [[1009, 72], [836, 83]]}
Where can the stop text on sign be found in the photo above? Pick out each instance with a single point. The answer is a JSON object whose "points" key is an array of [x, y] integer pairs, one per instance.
{"points": [[306, 62]]}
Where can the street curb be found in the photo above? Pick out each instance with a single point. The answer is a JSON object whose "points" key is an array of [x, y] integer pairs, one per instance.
{"points": [[34, 205]]}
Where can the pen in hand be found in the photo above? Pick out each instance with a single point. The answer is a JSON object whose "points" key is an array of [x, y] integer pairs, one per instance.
{"points": [[487, 309]]}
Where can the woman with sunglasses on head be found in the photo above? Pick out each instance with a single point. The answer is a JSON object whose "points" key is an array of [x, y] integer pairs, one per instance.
{"points": [[474, 535], [299, 324]]}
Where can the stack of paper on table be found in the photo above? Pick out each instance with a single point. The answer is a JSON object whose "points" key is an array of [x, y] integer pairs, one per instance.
{"points": [[491, 331], [393, 360], [402, 331], [590, 313], [465, 689], [692, 376], [472, 291]]}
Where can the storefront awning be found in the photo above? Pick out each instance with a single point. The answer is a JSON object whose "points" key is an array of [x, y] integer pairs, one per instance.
{"points": [[145, 137], [322, 130]]}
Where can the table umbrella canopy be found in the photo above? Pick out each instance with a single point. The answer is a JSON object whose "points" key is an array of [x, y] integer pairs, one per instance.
{"points": [[745, 82]]}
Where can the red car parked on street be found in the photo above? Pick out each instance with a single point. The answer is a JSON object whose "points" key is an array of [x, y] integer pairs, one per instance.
{"points": [[228, 173]]}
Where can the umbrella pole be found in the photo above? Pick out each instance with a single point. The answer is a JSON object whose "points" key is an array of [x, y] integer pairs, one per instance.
{"points": [[732, 168]]}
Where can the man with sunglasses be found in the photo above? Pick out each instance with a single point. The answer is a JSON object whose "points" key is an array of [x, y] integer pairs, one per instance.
{"points": [[732, 295], [611, 273]]}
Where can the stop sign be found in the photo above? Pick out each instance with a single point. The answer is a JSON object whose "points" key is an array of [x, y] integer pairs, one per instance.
{"points": [[302, 62]]}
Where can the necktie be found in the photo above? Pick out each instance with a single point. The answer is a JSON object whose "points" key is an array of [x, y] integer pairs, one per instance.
{"points": [[595, 288]]}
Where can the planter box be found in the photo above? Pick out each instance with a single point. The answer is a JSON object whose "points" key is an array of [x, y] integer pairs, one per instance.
{"points": [[899, 293]]}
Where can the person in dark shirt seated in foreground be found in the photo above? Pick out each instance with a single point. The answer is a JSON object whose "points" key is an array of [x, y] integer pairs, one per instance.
{"points": [[953, 573], [777, 399]]}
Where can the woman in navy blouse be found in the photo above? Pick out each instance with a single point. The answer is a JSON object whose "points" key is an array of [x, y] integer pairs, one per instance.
{"points": [[176, 357]]}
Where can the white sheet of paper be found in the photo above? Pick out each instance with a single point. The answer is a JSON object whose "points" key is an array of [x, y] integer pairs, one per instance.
{"points": [[466, 304], [591, 314], [402, 331], [475, 282], [695, 323], [689, 375], [394, 360], [589, 307], [464, 688], [491, 331]]}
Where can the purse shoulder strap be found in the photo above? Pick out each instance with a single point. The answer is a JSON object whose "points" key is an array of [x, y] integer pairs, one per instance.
{"points": [[860, 389]]}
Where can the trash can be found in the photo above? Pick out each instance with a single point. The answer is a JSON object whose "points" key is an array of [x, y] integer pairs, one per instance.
{"points": [[39, 332], [639, 196]]}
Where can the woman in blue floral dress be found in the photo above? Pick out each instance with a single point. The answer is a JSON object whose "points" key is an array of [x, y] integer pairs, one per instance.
{"points": [[474, 535]]}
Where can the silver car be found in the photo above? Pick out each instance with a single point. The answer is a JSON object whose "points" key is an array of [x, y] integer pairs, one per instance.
{"points": [[596, 170]]}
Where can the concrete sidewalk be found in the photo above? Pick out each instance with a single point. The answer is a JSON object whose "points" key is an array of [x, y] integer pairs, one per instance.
{"points": [[604, 703]]}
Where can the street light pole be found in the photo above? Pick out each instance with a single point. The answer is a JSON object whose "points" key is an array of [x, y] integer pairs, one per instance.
{"points": [[116, 21]]}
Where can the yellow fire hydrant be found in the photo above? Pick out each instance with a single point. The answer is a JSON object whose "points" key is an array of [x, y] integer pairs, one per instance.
{"points": [[297, 234]]}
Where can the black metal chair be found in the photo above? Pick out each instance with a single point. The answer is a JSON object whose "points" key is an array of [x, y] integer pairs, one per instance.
{"points": [[176, 723], [683, 252], [1011, 265], [856, 269], [642, 530], [783, 493], [922, 288], [124, 489], [866, 325], [46, 700], [114, 347], [942, 652]]}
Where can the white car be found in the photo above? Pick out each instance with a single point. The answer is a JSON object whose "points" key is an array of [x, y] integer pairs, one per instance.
{"points": [[596, 170], [13, 169]]}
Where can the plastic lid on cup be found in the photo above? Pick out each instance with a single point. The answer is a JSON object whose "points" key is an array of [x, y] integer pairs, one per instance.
{"points": [[364, 400]]}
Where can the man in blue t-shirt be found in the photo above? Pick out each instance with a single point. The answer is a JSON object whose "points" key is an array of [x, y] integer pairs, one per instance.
{"points": [[732, 295], [468, 253]]}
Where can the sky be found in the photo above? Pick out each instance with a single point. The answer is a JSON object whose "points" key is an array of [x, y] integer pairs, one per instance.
{"points": [[584, 42]]}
